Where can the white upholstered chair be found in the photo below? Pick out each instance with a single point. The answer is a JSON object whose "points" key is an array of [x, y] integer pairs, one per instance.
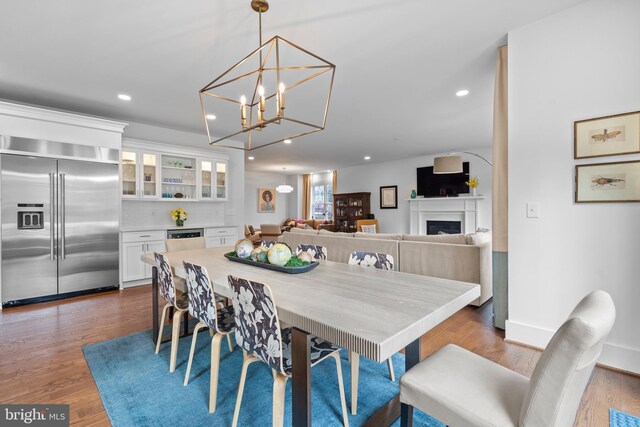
{"points": [[461, 388]]}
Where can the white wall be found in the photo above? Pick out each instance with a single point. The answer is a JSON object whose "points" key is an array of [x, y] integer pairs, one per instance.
{"points": [[563, 68], [255, 180], [370, 177]]}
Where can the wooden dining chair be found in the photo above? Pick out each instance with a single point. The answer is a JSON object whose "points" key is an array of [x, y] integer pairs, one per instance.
{"points": [[316, 251], [180, 305], [174, 245], [382, 262], [202, 306], [259, 335]]}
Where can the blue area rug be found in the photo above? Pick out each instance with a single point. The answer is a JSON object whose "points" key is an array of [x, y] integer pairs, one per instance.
{"points": [[620, 419], [137, 389]]}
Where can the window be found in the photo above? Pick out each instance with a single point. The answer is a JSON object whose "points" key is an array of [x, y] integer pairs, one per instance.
{"points": [[322, 202]]}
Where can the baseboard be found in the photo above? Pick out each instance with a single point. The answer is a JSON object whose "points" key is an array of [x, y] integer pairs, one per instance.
{"points": [[134, 283], [613, 356]]}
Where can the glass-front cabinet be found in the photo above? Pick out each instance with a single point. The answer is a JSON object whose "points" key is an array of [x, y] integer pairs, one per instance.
{"points": [[130, 162], [213, 180], [139, 174], [221, 180], [150, 175], [162, 176]]}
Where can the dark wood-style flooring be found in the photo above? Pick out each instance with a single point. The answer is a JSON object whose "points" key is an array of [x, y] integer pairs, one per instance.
{"points": [[41, 358]]}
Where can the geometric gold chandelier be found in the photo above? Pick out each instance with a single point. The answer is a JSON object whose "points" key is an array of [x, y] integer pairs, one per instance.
{"points": [[278, 92]]}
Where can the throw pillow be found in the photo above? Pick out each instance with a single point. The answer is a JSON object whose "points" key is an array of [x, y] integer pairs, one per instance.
{"points": [[369, 229]]}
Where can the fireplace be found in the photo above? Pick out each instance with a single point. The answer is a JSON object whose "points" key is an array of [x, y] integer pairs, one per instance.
{"points": [[444, 227]]}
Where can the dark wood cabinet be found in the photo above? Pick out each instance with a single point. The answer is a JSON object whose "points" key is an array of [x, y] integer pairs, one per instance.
{"points": [[350, 207]]}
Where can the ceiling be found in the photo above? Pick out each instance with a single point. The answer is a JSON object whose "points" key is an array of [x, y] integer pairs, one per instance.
{"points": [[399, 64]]}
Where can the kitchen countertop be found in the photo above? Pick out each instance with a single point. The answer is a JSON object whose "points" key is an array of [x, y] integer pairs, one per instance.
{"points": [[186, 226]]}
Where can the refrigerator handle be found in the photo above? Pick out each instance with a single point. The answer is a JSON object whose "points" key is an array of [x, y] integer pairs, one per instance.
{"points": [[52, 213], [61, 219]]}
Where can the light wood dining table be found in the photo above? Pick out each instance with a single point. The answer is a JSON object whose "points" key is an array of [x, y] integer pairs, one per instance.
{"points": [[374, 313]]}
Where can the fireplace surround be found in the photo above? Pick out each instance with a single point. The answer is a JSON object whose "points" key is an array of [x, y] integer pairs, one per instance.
{"points": [[448, 209]]}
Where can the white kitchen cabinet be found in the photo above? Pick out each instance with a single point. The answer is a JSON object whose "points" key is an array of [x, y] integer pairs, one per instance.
{"points": [[173, 174], [220, 236], [132, 268], [212, 180], [140, 174], [151, 247], [134, 245]]}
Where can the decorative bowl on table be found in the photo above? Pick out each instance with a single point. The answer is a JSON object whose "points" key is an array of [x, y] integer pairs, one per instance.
{"points": [[259, 258]]}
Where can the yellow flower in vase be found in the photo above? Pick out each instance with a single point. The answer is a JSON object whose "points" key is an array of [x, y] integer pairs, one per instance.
{"points": [[472, 184], [179, 216]]}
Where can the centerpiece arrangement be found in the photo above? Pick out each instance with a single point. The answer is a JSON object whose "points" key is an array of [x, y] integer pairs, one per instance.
{"points": [[179, 216], [278, 258]]}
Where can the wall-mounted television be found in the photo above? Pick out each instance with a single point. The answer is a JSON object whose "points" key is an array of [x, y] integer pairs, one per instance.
{"points": [[442, 185]]}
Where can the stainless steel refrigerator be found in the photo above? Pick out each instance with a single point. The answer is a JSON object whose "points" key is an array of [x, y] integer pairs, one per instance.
{"points": [[60, 225]]}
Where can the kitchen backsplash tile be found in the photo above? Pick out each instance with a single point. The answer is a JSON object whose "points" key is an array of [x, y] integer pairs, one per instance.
{"points": [[137, 213]]}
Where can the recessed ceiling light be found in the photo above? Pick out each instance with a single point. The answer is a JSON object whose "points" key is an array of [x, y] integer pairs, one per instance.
{"points": [[287, 141], [124, 97], [250, 157], [367, 157], [329, 171], [463, 92], [211, 116]]}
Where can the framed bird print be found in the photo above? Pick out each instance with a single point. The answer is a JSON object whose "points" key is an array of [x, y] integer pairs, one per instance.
{"points": [[607, 136], [608, 182]]}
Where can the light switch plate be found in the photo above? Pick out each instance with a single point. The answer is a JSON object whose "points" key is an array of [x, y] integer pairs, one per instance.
{"points": [[533, 210]]}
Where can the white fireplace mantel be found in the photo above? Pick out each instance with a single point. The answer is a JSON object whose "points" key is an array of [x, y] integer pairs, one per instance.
{"points": [[463, 209]]}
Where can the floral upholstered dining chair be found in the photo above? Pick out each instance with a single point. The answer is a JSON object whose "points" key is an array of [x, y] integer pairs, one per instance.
{"points": [[259, 335], [371, 259], [381, 262], [220, 321], [316, 251], [180, 304]]}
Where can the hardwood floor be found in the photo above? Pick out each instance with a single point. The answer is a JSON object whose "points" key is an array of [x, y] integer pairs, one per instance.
{"points": [[41, 358]]}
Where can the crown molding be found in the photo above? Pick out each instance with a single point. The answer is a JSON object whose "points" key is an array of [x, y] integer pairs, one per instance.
{"points": [[60, 117], [178, 150]]}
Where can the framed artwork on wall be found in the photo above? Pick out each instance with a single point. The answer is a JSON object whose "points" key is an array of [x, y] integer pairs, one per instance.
{"points": [[608, 182], [607, 136], [389, 197], [266, 200]]}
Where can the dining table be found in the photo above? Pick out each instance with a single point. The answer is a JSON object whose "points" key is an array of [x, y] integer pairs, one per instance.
{"points": [[374, 313]]}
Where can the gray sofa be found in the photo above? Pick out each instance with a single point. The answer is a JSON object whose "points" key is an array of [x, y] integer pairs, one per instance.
{"points": [[457, 256]]}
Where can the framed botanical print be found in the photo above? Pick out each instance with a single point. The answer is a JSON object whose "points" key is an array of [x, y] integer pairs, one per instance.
{"points": [[266, 200], [389, 197], [607, 136], [608, 182]]}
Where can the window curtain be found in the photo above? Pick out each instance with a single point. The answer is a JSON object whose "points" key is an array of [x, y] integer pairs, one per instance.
{"points": [[335, 182], [500, 191], [306, 196]]}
